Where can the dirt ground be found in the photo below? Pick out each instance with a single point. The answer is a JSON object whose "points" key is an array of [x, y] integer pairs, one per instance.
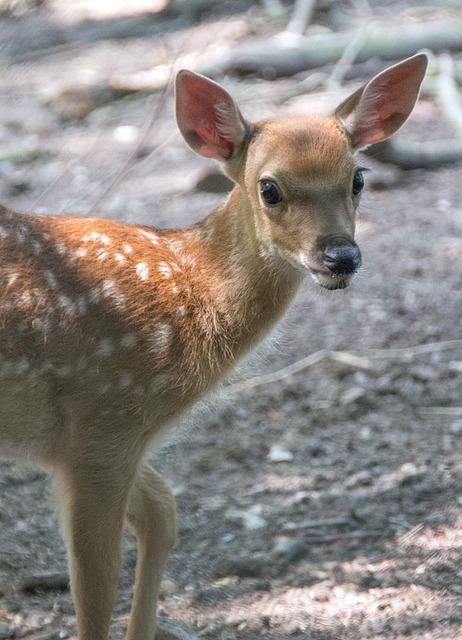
{"points": [[326, 504]]}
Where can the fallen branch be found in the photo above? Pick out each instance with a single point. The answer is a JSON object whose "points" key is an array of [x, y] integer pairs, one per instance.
{"points": [[277, 56], [346, 537], [409, 155], [44, 582], [347, 58], [361, 360], [301, 16], [43, 35], [448, 92], [49, 635], [442, 411]]}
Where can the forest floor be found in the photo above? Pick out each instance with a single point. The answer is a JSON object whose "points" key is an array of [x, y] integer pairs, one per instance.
{"points": [[323, 505]]}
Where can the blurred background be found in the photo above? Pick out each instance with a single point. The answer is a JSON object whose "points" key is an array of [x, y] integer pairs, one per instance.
{"points": [[324, 501]]}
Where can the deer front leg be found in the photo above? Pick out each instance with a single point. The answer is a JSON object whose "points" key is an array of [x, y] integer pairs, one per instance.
{"points": [[152, 515], [92, 502]]}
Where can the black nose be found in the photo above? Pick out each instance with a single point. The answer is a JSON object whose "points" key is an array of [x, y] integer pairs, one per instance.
{"points": [[342, 258]]}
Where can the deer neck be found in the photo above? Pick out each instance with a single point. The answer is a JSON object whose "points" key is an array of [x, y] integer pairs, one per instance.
{"points": [[250, 287]]}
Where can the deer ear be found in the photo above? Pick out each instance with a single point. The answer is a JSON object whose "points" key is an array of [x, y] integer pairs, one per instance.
{"points": [[207, 116], [378, 109]]}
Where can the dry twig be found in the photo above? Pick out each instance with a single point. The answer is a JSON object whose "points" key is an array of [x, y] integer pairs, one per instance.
{"points": [[448, 92], [301, 16], [361, 360]]}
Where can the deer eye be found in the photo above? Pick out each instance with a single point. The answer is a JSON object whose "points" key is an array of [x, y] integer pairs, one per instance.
{"points": [[358, 182], [270, 192]]}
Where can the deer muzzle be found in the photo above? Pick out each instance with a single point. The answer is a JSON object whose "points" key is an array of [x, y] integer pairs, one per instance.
{"points": [[337, 259]]}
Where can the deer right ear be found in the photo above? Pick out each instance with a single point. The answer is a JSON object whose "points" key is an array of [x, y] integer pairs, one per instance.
{"points": [[207, 116], [378, 109]]}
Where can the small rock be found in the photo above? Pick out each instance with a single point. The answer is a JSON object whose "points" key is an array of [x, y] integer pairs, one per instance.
{"points": [[247, 567], [455, 365], [360, 479], [456, 427], [423, 373], [305, 580], [278, 453], [174, 630], [353, 395], [126, 134], [77, 102], [250, 518], [6, 631], [290, 549], [370, 581], [365, 433], [317, 450], [168, 587], [45, 582]]}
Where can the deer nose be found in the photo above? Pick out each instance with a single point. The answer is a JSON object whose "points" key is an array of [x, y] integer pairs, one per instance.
{"points": [[342, 257]]}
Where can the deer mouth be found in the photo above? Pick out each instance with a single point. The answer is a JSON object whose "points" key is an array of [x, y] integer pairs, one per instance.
{"points": [[334, 262], [331, 282]]}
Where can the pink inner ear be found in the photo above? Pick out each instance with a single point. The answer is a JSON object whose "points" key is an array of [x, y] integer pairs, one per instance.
{"points": [[207, 117], [387, 102]]}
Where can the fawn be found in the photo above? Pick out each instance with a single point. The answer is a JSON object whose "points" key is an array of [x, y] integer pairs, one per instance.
{"points": [[110, 332]]}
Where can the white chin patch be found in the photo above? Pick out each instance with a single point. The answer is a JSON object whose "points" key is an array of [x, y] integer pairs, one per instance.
{"points": [[331, 282]]}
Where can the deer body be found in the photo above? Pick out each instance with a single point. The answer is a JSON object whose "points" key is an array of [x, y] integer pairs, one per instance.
{"points": [[110, 332], [113, 312]]}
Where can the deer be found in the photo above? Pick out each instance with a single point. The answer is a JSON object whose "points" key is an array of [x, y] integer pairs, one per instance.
{"points": [[111, 332]]}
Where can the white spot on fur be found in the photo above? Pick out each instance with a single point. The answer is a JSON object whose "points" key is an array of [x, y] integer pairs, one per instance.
{"points": [[95, 296], [81, 305], [36, 247], [11, 278], [127, 248], [159, 383], [66, 305], [82, 364], [80, 253], [64, 371], [22, 366], [105, 387], [174, 288], [60, 248], [21, 234], [128, 341], [4, 234], [26, 298], [176, 246], [160, 339], [182, 311], [121, 259], [150, 235], [94, 236], [188, 261], [105, 348], [109, 290], [51, 279], [125, 381], [142, 270], [44, 326], [102, 255], [165, 270]]}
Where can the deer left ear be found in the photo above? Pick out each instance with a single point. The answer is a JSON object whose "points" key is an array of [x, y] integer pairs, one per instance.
{"points": [[208, 117], [378, 109]]}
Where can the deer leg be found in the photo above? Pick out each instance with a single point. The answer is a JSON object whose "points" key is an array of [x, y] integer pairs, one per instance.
{"points": [[92, 507], [152, 516]]}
